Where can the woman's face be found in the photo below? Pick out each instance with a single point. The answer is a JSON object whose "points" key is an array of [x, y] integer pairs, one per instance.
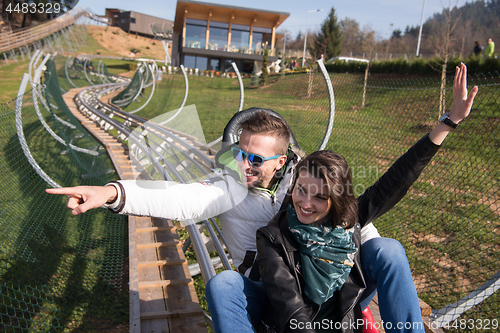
{"points": [[311, 199]]}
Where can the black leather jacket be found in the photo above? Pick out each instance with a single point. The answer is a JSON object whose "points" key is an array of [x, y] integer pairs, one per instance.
{"points": [[278, 257]]}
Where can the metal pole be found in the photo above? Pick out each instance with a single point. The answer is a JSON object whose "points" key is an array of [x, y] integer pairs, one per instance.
{"points": [[305, 41], [284, 44], [305, 38], [420, 33]]}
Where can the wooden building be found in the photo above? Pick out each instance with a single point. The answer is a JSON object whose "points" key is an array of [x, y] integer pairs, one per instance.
{"points": [[142, 24], [211, 36]]}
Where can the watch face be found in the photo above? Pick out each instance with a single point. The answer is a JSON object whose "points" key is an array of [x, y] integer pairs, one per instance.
{"points": [[443, 117]]}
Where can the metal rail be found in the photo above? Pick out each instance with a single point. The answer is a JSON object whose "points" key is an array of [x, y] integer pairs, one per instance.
{"points": [[144, 146]]}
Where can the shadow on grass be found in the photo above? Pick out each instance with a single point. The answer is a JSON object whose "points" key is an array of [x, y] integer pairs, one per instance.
{"points": [[57, 271]]}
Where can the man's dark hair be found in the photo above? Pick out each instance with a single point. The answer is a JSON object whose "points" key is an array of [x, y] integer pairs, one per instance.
{"points": [[265, 123]]}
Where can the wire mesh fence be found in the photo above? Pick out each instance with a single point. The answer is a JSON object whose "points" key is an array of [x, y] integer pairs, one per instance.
{"points": [[58, 272], [449, 221]]}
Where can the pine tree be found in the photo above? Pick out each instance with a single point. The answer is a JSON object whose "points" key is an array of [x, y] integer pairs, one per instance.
{"points": [[263, 75], [329, 40], [282, 67], [255, 77]]}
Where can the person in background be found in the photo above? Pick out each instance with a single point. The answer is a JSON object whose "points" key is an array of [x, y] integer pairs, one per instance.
{"points": [[489, 51], [478, 48]]}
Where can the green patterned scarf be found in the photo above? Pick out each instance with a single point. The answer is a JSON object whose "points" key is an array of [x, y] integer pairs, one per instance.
{"points": [[327, 256]]}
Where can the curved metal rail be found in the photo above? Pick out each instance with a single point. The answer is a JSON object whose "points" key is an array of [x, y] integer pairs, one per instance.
{"points": [[36, 93], [331, 98], [153, 70], [22, 138], [183, 101]]}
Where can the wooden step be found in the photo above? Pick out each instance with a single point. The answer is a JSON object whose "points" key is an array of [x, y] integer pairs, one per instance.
{"points": [[170, 314], [157, 245], [163, 283], [161, 263], [152, 229]]}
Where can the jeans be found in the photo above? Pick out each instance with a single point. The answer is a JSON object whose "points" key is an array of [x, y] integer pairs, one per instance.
{"points": [[236, 302], [386, 270]]}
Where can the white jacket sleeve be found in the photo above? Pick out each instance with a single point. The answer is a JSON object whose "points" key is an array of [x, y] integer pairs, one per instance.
{"points": [[176, 201]]}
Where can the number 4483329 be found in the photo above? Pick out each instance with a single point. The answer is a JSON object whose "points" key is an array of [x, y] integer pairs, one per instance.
{"points": [[34, 8], [473, 324]]}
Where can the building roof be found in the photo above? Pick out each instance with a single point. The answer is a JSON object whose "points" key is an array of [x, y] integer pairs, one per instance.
{"points": [[224, 13]]}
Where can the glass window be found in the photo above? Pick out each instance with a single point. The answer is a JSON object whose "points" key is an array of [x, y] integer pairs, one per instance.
{"points": [[195, 62], [218, 38], [196, 22], [196, 36], [189, 61], [215, 64], [240, 40], [132, 20], [240, 37], [201, 63], [240, 27], [260, 41], [219, 25], [257, 40], [259, 29]]}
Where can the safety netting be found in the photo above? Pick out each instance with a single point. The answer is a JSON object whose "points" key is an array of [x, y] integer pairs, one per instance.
{"points": [[58, 272], [449, 221]]}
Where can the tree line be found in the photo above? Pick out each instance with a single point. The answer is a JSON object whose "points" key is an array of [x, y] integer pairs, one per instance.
{"points": [[455, 27]]}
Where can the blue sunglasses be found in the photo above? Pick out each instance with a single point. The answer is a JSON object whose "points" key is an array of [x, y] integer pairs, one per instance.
{"points": [[254, 159]]}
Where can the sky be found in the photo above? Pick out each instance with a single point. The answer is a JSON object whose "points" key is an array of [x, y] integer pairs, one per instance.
{"points": [[383, 16]]}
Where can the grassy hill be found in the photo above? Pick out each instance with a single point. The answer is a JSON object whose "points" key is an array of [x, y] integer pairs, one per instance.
{"points": [[107, 41]]}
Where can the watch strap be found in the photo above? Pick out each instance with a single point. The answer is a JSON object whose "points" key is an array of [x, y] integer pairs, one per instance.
{"points": [[447, 121]]}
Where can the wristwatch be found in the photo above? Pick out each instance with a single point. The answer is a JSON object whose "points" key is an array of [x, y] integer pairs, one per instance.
{"points": [[447, 121]]}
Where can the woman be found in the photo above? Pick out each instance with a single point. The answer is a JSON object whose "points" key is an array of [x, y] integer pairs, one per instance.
{"points": [[308, 256]]}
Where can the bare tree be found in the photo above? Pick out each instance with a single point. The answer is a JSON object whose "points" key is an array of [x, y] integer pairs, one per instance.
{"points": [[442, 43], [368, 40], [352, 35]]}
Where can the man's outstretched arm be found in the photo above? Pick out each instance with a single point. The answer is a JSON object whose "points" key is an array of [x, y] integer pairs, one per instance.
{"points": [[83, 198]]}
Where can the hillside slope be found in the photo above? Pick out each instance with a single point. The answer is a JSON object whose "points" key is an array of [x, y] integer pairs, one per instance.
{"points": [[116, 42]]}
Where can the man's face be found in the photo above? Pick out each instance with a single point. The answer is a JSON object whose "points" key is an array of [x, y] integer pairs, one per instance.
{"points": [[265, 146]]}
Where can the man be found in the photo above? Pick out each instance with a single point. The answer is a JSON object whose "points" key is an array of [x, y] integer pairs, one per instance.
{"points": [[490, 49], [248, 196], [478, 48]]}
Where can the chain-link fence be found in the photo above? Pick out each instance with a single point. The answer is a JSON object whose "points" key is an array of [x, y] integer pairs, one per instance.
{"points": [[58, 272], [449, 221]]}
